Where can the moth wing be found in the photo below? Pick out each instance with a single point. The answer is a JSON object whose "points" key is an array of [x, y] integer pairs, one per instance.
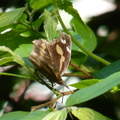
{"points": [[42, 59], [40, 51], [60, 52]]}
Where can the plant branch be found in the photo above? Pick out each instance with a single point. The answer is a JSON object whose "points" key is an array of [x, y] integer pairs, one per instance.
{"points": [[77, 68], [81, 76], [46, 104], [33, 108], [26, 24]]}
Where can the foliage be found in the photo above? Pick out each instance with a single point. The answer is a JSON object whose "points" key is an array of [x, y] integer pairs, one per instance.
{"points": [[20, 26]]}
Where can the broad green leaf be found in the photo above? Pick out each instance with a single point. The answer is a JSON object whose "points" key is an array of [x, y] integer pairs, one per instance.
{"points": [[14, 115], [20, 115], [14, 38], [24, 50], [108, 70], [86, 33], [50, 25], [56, 115], [37, 115], [76, 50], [79, 39], [38, 22], [37, 4], [95, 90], [8, 18], [22, 18], [88, 114], [16, 58], [6, 60], [78, 60], [85, 83]]}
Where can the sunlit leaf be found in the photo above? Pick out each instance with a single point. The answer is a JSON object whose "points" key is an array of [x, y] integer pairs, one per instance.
{"points": [[8, 18], [14, 115], [88, 114], [37, 115], [56, 115], [85, 83], [24, 50], [108, 70], [94, 90], [86, 33], [37, 4], [16, 58], [50, 25], [76, 51], [5, 60]]}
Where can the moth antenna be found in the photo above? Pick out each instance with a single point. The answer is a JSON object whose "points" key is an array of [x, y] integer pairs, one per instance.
{"points": [[63, 95], [67, 87]]}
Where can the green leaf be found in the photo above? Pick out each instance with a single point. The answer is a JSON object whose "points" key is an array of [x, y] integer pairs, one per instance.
{"points": [[38, 4], [14, 115], [15, 75], [78, 60], [16, 58], [15, 37], [8, 18], [20, 115], [37, 115], [85, 83], [76, 51], [88, 114], [24, 50], [56, 115], [38, 22], [50, 25], [86, 33], [22, 18], [95, 90], [108, 70], [6, 60], [79, 38]]}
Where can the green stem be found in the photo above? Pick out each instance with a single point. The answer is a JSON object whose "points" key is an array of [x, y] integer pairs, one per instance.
{"points": [[31, 28], [80, 46], [15, 75]]}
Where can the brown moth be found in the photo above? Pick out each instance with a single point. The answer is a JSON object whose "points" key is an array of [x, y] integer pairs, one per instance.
{"points": [[52, 58]]}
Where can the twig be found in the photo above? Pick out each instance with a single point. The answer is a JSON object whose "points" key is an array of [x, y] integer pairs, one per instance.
{"points": [[82, 76], [77, 68], [52, 101], [68, 92], [46, 104]]}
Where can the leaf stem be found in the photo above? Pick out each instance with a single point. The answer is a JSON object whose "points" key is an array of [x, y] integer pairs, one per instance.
{"points": [[15, 75], [77, 68], [105, 62], [31, 28]]}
